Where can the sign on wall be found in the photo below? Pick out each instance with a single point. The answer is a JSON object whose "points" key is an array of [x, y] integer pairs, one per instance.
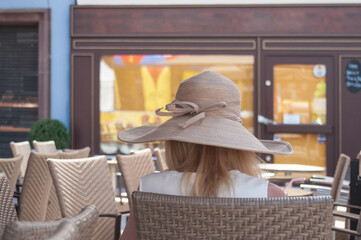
{"points": [[353, 76]]}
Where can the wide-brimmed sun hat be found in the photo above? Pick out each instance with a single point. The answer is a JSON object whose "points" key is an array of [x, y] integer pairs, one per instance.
{"points": [[206, 110]]}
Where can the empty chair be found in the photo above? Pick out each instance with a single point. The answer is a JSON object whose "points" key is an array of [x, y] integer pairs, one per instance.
{"points": [[160, 216], [81, 182], [11, 167], [84, 221], [7, 207], [38, 200], [45, 147], [133, 167], [344, 232], [72, 150], [21, 148], [339, 176], [160, 154]]}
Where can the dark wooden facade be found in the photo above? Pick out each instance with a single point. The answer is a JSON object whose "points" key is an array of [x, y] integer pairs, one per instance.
{"points": [[330, 35]]}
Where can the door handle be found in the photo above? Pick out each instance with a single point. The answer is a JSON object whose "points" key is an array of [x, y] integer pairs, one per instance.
{"points": [[265, 121]]}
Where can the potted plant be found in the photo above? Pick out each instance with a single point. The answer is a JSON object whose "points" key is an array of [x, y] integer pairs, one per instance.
{"points": [[50, 129]]}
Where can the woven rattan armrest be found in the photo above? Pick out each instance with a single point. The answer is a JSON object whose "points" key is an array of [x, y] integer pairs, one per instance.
{"points": [[117, 217], [346, 205], [343, 230], [348, 215]]}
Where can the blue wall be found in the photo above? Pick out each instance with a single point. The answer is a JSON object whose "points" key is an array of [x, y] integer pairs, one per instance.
{"points": [[60, 51]]}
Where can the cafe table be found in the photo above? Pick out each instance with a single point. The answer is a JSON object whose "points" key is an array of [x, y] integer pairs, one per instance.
{"points": [[288, 169], [296, 192]]}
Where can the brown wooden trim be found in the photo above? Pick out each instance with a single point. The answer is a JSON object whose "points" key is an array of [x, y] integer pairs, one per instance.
{"points": [[44, 66], [296, 128], [194, 21], [13, 129], [19, 105], [40, 17], [350, 131], [320, 44], [186, 44], [82, 101]]}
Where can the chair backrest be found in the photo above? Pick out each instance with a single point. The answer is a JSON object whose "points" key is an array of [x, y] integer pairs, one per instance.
{"points": [[38, 201], [341, 168], [53, 209], [21, 148], [44, 147], [86, 181], [160, 216], [80, 149], [133, 167], [7, 207], [84, 221], [11, 167], [160, 154]]}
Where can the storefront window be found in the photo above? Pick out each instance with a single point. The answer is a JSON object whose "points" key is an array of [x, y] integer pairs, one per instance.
{"points": [[300, 98], [300, 94], [309, 149], [132, 87]]}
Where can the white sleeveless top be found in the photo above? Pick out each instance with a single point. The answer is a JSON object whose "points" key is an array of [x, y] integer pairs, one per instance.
{"points": [[169, 182]]}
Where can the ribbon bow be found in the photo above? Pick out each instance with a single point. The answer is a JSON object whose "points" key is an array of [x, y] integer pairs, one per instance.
{"points": [[179, 108]]}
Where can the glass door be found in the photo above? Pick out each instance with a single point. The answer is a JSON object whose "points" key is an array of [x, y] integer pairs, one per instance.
{"points": [[298, 105]]}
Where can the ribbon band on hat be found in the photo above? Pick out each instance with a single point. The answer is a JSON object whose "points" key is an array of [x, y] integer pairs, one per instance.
{"points": [[179, 108]]}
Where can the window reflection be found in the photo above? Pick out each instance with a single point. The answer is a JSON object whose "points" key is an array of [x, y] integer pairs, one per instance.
{"points": [[132, 87], [300, 94], [309, 149]]}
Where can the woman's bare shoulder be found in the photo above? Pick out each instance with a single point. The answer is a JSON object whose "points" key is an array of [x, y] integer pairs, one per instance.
{"points": [[275, 191]]}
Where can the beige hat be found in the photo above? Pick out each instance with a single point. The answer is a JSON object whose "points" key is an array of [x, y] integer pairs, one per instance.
{"points": [[206, 110]]}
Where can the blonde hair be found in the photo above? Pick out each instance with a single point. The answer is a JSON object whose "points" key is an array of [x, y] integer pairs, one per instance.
{"points": [[211, 165]]}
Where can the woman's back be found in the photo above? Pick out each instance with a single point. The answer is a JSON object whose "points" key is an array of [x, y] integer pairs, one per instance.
{"points": [[172, 183]]}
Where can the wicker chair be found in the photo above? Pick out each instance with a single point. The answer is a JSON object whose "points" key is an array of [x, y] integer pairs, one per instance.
{"points": [[21, 148], [160, 216], [7, 208], [80, 149], [160, 154], [343, 233], [62, 230], [45, 147], [11, 167], [80, 182], [133, 167], [84, 221], [38, 201], [335, 190]]}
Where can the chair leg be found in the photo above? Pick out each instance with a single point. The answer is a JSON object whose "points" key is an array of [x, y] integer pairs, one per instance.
{"points": [[118, 221]]}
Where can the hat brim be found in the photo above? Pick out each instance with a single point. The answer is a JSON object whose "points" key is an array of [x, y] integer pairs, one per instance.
{"points": [[211, 130]]}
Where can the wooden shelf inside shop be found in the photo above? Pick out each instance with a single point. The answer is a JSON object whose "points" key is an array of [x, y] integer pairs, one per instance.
{"points": [[13, 129], [18, 105]]}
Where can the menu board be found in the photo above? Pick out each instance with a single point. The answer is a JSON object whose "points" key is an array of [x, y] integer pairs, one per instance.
{"points": [[353, 76]]}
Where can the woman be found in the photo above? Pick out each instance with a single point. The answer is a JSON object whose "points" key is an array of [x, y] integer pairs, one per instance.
{"points": [[208, 151]]}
